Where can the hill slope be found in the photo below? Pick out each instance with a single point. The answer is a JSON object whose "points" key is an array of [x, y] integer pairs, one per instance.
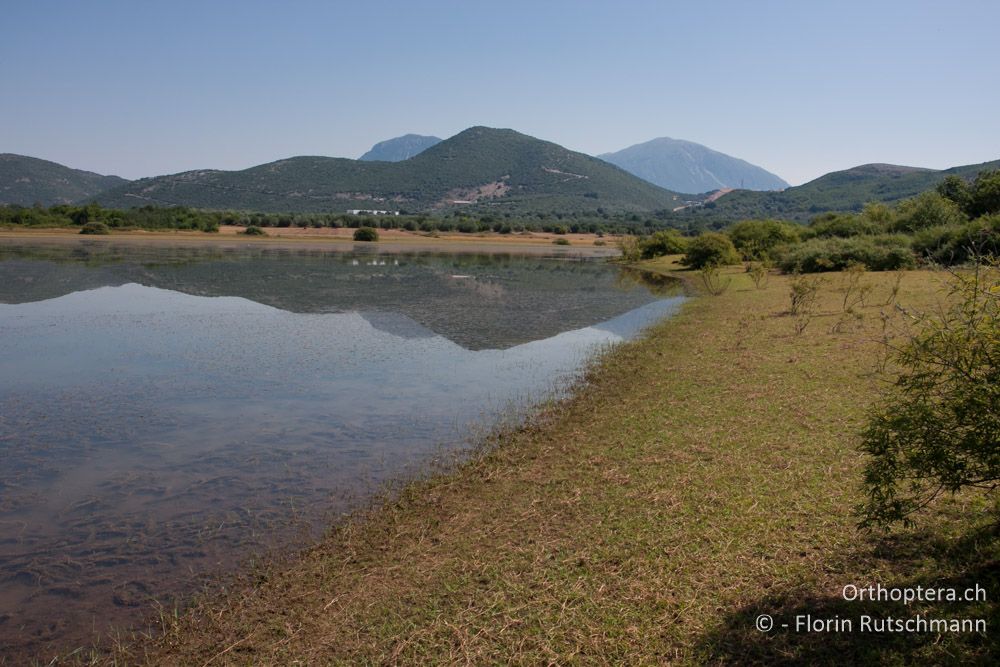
{"points": [[847, 190], [400, 148], [489, 167], [27, 180], [685, 166]]}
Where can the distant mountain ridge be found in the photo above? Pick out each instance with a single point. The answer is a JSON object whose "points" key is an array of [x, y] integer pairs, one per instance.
{"points": [[487, 167], [847, 190], [25, 181], [481, 170], [400, 148], [684, 166]]}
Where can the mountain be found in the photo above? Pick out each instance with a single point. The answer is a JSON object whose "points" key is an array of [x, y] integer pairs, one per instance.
{"points": [[499, 170], [400, 148], [685, 166], [847, 190], [26, 181]]}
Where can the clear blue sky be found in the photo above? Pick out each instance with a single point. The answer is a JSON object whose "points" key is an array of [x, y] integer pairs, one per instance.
{"points": [[801, 88]]}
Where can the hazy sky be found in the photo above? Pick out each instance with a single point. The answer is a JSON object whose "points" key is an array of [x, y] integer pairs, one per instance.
{"points": [[800, 88]]}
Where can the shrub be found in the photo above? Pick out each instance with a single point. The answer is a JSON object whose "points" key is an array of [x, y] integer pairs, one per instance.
{"points": [[630, 248], [981, 197], [668, 242], [936, 428], [367, 234], [875, 253], [755, 239], [254, 230], [710, 249], [759, 272], [926, 210], [95, 228], [957, 244], [803, 294], [712, 280], [561, 241], [841, 225], [985, 194], [879, 214]]}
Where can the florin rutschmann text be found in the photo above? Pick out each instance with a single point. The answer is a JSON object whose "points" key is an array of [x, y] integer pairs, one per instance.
{"points": [[868, 623]]}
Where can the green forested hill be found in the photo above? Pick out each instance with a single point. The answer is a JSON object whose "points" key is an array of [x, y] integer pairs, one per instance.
{"points": [[502, 169], [26, 181], [847, 190]]}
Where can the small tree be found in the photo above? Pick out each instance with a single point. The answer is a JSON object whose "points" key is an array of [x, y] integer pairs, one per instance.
{"points": [[666, 242], [924, 211], [367, 234], [95, 228], [630, 248], [938, 427], [757, 238], [710, 249]]}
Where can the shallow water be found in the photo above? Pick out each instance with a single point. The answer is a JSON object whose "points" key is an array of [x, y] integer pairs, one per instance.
{"points": [[165, 412]]}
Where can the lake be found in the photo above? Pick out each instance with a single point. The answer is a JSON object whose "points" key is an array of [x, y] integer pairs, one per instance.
{"points": [[167, 412]]}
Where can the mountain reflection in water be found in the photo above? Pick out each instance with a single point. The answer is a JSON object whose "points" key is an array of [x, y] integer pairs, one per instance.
{"points": [[164, 412]]}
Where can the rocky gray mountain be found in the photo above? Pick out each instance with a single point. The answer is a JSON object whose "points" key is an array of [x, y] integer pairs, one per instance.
{"points": [[684, 166]]}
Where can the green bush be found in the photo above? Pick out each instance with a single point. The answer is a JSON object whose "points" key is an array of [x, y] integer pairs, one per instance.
{"points": [[875, 253], [755, 239], [658, 244], [368, 234], [979, 198], [985, 194], [95, 228], [937, 428], [710, 249], [561, 241], [841, 225], [956, 244], [254, 230], [924, 211], [879, 214]]}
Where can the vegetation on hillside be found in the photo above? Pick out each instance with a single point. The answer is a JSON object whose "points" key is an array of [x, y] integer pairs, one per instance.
{"points": [[27, 181], [841, 191], [500, 169]]}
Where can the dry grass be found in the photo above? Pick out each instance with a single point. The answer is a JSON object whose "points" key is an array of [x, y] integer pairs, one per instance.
{"points": [[701, 476]]}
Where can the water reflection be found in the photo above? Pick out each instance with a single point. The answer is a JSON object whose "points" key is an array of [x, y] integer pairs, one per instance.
{"points": [[163, 413]]}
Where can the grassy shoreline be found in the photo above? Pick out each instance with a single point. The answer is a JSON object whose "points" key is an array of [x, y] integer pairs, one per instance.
{"points": [[699, 477]]}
